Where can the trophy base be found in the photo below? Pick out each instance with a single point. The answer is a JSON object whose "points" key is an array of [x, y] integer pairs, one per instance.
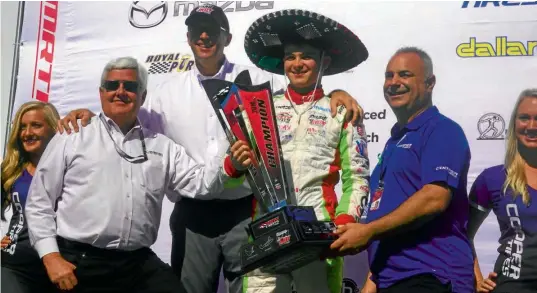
{"points": [[274, 219], [287, 248]]}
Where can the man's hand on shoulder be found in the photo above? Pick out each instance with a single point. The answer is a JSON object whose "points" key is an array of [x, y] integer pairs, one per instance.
{"points": [[70, 120], [354, 114]]}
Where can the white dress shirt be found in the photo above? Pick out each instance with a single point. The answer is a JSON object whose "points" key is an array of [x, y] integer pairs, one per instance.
{"points": [[179, 108], [105, 200]]}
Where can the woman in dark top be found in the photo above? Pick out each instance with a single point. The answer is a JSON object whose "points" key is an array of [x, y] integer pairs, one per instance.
{"points": [[510, 190], [33, 127]]}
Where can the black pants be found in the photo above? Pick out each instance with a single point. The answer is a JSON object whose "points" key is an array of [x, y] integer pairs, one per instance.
{"points": [[425, 283], [26, 279], [206, 238], [103, 270]]}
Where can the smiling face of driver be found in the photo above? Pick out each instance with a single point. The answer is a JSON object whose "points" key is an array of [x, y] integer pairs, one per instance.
{"points": [[302, 65], [405, 83]]}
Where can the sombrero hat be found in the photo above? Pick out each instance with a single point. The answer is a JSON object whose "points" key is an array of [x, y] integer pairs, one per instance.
{"points": [[265, 39]]}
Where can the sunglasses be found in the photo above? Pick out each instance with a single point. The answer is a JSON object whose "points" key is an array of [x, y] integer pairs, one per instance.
{"points": [[113, 85], [212, 30]]}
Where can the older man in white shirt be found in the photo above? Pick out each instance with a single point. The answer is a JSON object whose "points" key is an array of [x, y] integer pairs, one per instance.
{"points": [[94, 205]]}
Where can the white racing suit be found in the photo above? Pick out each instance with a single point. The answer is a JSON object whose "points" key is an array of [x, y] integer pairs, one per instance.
{"points": [[316, 147]]}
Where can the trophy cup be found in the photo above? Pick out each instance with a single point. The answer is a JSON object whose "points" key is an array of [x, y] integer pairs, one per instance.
{"points": [[286, 237]]}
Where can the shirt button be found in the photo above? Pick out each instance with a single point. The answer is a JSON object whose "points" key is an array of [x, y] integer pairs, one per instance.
{"points": [[212, 138], [126, 218], [211, 115], [126, 175]]}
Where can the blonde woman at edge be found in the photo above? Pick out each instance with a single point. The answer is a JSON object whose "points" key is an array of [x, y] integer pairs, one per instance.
{"points": [[33, 127], [510, 190]]}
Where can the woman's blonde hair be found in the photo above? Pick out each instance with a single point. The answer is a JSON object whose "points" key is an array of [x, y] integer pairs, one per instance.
{"points": [[514, 163], [16, 158]]}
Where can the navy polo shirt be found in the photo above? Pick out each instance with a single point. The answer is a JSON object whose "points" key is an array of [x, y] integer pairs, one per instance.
{"points": [[431, 148]]}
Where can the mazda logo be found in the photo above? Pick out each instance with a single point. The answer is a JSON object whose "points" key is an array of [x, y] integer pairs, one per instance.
{"points": [[144, 22]]}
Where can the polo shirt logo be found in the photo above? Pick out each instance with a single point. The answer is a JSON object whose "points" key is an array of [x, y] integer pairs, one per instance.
{"points": [[450, 172], [405, 146]]}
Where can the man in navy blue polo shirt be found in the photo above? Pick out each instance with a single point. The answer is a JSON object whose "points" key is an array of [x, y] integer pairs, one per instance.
{"points": [[415, 225]]}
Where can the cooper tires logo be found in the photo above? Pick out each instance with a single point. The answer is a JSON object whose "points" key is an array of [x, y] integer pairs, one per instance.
{"points": [[139, 16], [491, 126]]}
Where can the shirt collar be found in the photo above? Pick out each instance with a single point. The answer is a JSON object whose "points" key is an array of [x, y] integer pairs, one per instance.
{"points": [[299, 99], [417, 122], [226, 67], [113, 125]]}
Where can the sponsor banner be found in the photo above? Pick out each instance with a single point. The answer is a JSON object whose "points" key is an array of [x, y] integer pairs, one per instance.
{"points": [[483, 52]]}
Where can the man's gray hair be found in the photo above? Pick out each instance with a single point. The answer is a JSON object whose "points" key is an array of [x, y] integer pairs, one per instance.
{"points": [[127, 63], [427, 62], [528, 93]]}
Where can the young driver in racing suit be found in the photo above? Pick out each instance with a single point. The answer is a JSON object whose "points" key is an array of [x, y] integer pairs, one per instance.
{"points": [[316, 147]]}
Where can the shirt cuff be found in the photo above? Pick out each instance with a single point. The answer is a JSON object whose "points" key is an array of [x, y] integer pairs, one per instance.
{"points": [[46, 246], [449, 177], [230, 170], [344, 219], [478, 206]]}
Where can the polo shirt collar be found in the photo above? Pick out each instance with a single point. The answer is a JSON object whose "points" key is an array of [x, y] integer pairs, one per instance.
{"points": [[417, 122]]}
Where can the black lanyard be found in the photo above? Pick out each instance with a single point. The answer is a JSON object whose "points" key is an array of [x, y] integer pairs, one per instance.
{"points": [[138, 159], [383, 163]]}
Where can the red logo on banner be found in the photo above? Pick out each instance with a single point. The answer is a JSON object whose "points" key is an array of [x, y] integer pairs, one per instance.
{"points": [[207, 10], [44, 56]]}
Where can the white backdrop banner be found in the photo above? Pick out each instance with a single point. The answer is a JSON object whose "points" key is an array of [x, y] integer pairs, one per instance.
{"points": [[484, 55]]}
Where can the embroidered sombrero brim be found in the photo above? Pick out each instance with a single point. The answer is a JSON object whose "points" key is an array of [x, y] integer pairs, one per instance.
{"points": [[266, 37]]}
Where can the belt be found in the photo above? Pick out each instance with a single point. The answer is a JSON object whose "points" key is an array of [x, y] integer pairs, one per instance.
{"points": [[93, 250], [217, 201]]}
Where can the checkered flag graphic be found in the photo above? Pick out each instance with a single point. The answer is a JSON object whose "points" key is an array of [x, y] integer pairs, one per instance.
{"points": [[159, 67]]}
